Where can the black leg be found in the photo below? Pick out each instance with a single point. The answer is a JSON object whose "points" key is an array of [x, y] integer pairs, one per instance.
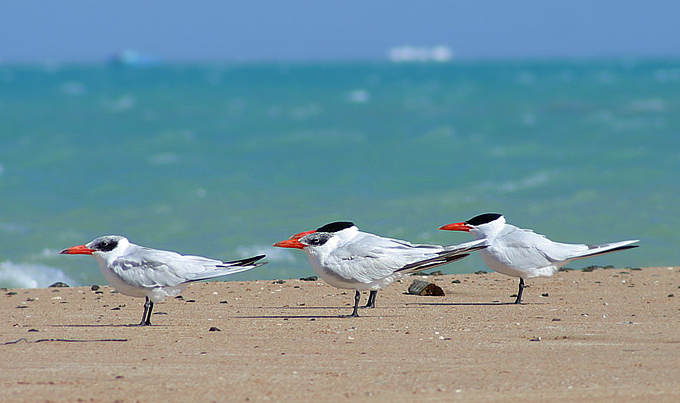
{"points": [[146, 316], [371, 299], [519, 291], [355, 312]]}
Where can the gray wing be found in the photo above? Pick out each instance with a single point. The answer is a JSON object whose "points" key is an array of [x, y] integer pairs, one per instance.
{"points": [[531, 250], [148, 267], [369, 257]]}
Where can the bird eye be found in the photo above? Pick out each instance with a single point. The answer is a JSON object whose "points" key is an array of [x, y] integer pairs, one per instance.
{"points": [[318, 239], [106, 246]]}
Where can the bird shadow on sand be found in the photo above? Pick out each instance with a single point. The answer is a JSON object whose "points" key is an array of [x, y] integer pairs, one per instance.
{"points": [[362, 313], [289, 317], [472, 303], [109, 325]]}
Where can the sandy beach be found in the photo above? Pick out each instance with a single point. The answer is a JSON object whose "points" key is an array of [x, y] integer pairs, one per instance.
{"points": [[597, 336]]}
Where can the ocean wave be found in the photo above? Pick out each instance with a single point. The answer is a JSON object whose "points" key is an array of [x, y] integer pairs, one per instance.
{"points": [[72, 88], [119, 104], [13, 228], [529, 182], [26, 275], [667, 75], [165, 159], [359, 96]]}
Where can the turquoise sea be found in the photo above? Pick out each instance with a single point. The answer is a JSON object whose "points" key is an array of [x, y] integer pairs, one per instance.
{"points": [[223, 160]]}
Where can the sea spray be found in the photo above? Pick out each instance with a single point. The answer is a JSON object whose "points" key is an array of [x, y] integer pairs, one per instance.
{"points": [[26, 275]]}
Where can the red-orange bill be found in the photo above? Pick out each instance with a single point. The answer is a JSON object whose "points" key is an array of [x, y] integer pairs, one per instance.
{"points": [[459, 226], [77, 250], [293, 242]]}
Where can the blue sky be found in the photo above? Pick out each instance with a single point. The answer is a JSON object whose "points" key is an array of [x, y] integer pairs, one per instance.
{"points": [[264, 30]]}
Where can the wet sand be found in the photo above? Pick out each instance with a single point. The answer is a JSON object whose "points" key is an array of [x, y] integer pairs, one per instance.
{"points": [[606, 335]]}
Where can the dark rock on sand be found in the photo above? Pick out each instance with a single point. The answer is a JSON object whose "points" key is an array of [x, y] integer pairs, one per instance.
{"points": [[419, 287]]}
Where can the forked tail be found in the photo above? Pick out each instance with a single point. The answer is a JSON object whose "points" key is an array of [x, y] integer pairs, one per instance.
{"points": [[232, 267], [596, 250], [246, 261]]}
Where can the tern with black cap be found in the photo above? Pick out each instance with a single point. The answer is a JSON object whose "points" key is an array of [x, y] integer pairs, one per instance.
{"points": [[347, 258], [523, 253], [154, 274]]}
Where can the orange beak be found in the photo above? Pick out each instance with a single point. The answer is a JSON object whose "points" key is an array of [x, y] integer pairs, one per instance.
{"points": [[77, 250], [293, 242], [459, 226]]}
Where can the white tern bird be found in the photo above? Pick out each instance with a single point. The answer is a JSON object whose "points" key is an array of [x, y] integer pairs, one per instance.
{"points": [[348, 258], [138, 271], [522, 253]]}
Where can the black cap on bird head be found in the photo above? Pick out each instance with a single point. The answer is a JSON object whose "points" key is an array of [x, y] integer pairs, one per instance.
{"points": [[483, 219], [336, 226]]}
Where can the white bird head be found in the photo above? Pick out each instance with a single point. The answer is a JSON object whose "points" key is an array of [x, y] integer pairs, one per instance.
{"points": [[326, 237], [482, 226], [102, 246]]}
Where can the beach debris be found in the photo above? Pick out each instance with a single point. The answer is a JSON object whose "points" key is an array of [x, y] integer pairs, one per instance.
{"points": [[59, 284], [536, 339], [481, 272], [95, 287], [310, 278], [11, 293], [279, 282], [593, 268], [33, 330], [214, 329], [420, 287], [456, 281]]}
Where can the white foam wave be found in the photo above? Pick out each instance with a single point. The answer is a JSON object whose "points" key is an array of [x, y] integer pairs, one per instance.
{"points": [[165, 159], [532, 181], [359, 96], [26, 275]]}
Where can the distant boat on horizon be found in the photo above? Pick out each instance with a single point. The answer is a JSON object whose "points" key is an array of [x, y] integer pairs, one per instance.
{"points": [[411, 54], [132, 58]]}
